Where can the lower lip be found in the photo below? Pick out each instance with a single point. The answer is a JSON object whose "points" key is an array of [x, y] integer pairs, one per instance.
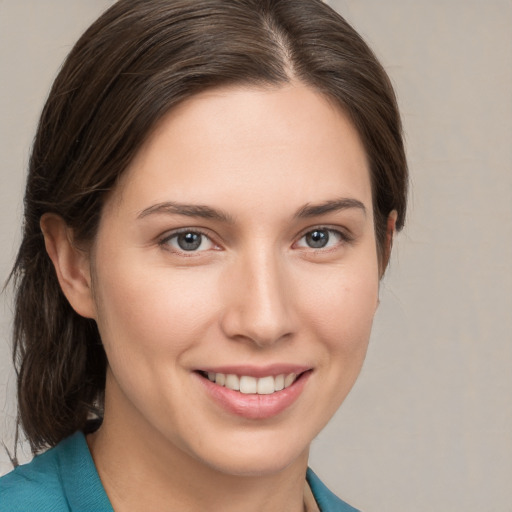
{"points": [[254, 406]]}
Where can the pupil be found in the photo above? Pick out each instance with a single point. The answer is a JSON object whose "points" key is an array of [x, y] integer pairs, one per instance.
{"points": [[189, 241], [317, 239]]}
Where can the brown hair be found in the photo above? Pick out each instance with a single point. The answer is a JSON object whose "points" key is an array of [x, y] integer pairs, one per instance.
{"points": [[137, 61]]}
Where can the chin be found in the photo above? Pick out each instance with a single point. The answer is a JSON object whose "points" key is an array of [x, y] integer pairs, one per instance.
{"points": [[255, 457], [264, 464]]}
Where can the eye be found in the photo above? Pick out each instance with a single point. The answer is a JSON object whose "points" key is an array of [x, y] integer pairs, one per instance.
{"points": [[320, 238], [188, 241]]}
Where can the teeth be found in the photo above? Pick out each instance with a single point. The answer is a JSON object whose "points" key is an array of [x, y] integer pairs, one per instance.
{"points": [[289, 379], [251, 385], [266, 386], [232, 382], [248, 385]]}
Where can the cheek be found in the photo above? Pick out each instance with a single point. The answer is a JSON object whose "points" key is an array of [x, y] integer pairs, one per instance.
{"points": [[340, 314], [152, 313], [148, 323], [343, 307]]}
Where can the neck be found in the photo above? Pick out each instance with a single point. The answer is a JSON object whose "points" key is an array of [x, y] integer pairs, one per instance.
{"points": [[140, 469]]}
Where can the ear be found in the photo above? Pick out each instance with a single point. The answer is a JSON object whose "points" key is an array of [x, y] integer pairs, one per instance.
{"points": [[388, 242], [71, 263]]}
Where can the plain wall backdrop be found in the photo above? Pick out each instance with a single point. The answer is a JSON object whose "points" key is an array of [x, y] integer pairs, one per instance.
{"points": [[428, 425]]}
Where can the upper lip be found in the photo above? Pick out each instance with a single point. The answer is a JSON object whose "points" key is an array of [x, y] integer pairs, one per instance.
{"points": [[257, 371]]}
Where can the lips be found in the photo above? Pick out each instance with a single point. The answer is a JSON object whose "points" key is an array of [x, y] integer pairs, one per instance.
{"points": [[254, 393]]}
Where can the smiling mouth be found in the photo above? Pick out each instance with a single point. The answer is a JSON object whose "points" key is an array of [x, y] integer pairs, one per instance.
{"points": [[247, 384]]}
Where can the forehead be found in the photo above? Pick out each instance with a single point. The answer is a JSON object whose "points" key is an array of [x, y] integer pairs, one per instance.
{"points": [[247, 145]]}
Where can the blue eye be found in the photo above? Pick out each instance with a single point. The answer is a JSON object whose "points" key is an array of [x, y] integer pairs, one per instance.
{"points": [[320, 238], [189, 241]]}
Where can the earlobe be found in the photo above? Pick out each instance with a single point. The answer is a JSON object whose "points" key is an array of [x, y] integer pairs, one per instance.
{"points": [[72, 264]]}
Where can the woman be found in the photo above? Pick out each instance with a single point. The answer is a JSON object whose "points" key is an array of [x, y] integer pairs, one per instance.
{"points": [[212, 196]]}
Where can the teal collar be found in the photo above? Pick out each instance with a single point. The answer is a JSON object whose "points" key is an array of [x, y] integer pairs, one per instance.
{"points": [[80, 480], [326, 500]]}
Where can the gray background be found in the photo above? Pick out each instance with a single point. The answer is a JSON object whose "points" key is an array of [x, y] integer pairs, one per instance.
{"points": [[429, 424]]}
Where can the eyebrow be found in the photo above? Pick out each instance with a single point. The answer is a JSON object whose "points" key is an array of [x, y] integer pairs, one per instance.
{"points": [[315, 210], [207, 212], [189, 210]]}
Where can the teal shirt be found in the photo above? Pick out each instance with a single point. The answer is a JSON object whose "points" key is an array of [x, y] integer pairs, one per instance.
{"points": [[64, 479]]}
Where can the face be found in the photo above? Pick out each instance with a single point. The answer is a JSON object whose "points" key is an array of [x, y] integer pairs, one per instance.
{"points": [[235, 258]]}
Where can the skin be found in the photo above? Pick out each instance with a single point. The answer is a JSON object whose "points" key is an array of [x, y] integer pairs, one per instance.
{"points": [[254, 293]]}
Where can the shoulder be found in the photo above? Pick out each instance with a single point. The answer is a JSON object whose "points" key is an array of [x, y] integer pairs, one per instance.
{"points": [[63, 479], [326, 500], [34, 486]]}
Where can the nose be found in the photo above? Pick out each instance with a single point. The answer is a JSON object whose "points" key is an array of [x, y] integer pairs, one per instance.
{"points": [[258, 301]]}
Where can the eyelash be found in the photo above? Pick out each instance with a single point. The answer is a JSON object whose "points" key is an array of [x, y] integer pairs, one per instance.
{"points": [[165, 242], [343, 238]]}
